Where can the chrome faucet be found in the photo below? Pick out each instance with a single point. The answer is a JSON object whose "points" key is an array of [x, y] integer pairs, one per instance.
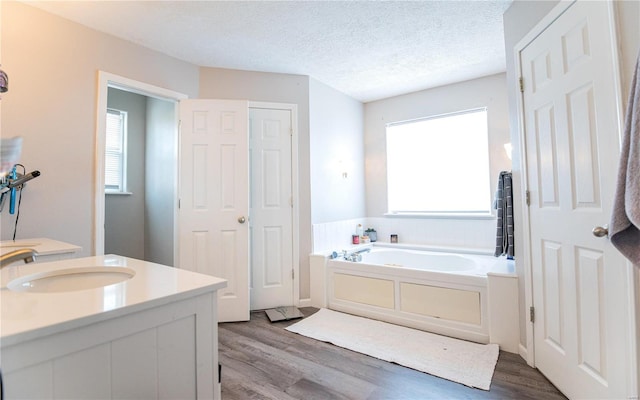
{"points": [[356, 256], [27, 255], [365, 250]]}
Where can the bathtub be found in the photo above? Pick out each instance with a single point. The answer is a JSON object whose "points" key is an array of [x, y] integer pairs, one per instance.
{"points": [[471, 297], [421, 260]]}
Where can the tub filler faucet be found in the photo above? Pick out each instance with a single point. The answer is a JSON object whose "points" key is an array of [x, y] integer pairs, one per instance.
{"points": [[26, 255], [335, 254], [354, 256], [366, 250]]}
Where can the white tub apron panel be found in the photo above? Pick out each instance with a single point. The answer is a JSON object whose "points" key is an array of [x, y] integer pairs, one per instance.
{"points": [[439, 302], [424, 293]]}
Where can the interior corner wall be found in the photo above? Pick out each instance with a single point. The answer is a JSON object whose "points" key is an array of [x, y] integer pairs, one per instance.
{"points": [[220, 83], [124, 225], [337, 148], [53, 65], [161, 185], [518, 20]]}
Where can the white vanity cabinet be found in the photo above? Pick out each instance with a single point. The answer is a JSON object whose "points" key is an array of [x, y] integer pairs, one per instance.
{"points": [[151, 337]]}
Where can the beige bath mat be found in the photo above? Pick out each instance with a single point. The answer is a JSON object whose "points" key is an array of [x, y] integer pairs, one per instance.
{"points": [[468, 363]]}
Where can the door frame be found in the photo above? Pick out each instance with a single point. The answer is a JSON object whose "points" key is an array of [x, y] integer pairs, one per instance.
{"points": [[105, 81], [528, 352], [293, 108]]}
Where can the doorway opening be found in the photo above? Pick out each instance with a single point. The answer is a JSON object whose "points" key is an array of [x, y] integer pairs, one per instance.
{"points": [[140, 155], [139, 221]]}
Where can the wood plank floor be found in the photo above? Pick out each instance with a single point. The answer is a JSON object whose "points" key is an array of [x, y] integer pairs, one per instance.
{"points": [[261, 360]]}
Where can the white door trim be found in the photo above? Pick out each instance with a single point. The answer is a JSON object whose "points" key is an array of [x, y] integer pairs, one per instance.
{"points": [[528, 353], [523, 215], [294, 187], [106, 80]]}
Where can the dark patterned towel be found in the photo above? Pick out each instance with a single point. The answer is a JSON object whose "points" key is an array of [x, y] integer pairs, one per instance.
{"points": [[503, 202]]}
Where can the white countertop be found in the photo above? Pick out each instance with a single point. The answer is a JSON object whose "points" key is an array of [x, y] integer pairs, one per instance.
{"points": [[43, 246], [26, 316]]}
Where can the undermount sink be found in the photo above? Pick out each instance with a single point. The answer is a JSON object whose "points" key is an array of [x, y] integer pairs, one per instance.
{"points": [[70, 279]]}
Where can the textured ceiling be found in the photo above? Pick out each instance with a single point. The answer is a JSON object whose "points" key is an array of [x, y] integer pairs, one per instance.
{"points": [[366, 49]]}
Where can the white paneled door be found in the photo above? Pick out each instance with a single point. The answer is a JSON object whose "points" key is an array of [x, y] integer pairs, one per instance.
{"points": [[271, 208], [214, 198], [580, 292]]}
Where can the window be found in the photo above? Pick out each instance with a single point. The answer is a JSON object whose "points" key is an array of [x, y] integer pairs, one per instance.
{"points": [[116, 152], [439, 165]]}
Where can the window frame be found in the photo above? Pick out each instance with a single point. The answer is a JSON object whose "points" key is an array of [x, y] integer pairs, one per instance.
{"points": [[489, 213], [122, 189]]}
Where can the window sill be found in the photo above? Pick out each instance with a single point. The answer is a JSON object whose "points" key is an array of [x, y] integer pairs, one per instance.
{"points": [[442, 215], [118, 193]]}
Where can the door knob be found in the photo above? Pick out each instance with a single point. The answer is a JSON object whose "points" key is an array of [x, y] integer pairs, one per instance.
{"points": [[242, 220], [600, 231]]}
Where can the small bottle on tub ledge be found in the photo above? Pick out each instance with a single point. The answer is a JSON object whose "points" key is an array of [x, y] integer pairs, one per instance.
{"points": [[394, 238]]}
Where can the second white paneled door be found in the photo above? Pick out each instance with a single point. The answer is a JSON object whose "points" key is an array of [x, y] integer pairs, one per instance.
{"points": [[271, 208], [214, 198], [580, 288]]}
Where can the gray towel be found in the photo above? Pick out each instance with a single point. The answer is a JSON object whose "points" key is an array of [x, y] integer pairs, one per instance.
{"points": [[624, 228], [503, 202]]}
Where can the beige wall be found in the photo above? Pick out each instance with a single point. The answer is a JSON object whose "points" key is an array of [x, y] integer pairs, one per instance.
{"points": [[53, 64]]}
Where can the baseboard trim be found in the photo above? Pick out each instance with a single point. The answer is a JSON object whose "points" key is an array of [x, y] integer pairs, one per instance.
{"points": [[524, 353], [304, 303]]}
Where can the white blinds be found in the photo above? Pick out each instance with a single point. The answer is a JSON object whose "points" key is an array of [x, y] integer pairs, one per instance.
{"points": [[115, 151]]}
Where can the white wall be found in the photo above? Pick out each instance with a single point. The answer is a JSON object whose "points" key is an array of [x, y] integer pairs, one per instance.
{"points": [[161, 181], [487, 92], [627, 17], [518, 20], [52, 65], [124, 226], [337, 146]]}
